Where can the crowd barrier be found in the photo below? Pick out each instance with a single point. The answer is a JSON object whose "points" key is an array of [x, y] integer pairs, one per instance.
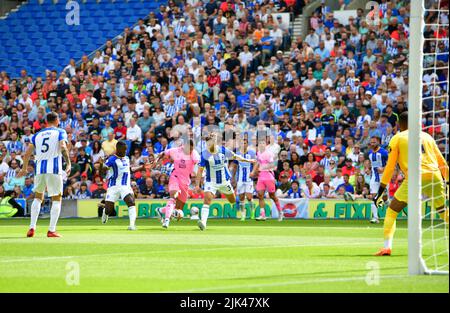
{"points": [[220, 208]]}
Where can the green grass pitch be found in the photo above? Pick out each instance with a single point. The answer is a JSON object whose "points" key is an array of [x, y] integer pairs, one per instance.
{"points": [[230, 256]]}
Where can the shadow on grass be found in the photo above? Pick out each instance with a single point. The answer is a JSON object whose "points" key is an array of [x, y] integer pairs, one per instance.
{"points": [[359, 256], [19, 237], [308, 274]]}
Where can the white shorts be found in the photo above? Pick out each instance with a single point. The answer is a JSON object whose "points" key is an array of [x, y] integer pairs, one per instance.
{"points": [[245, 188], [115, 193], [224, 188], [52, 182]]}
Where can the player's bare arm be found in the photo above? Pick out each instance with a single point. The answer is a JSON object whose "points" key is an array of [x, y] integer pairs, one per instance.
{"points": [[241, 159], [197, 189], [26, 160], [102, 169], [157, 158], [255, 170], [65, 154]]}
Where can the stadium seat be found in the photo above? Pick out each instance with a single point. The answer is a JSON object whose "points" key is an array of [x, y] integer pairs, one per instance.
{"points": [[38, 31], [34, 3], [18, 29]]}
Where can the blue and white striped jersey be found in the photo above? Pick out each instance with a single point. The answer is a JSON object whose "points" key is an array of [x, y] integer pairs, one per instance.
{"points": [[378, 159], [216, 165], [294, 194], [180, 102], [48, 156], [245, 168], [64, 124], [119, 171]]}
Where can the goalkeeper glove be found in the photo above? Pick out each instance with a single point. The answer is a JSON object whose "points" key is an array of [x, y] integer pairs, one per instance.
{"points": [[378, 199]]}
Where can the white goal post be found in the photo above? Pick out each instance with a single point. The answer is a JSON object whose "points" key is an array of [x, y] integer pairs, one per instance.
{"points": [[417, 263]]}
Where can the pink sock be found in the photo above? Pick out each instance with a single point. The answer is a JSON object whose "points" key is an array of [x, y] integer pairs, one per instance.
{"points": [[169, 208], [277, 204]]}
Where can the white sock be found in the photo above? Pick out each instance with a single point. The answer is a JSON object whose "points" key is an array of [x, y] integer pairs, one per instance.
{"points": [[54, 215], [132, 215], [388, 243], [374, 211], [205, 213], [35, 209], [242, 207]]}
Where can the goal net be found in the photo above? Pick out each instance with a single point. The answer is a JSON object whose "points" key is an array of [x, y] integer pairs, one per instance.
{"points": [[428, 111]]}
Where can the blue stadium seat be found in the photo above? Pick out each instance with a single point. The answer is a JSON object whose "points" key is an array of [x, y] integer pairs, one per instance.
{"points": [[28, 49], [39, 15], [26, 15], [18, 29], [40, 70], [36, 37], [127, 12], [9, 43], [97, 13], [6, 63], [34, 3]]}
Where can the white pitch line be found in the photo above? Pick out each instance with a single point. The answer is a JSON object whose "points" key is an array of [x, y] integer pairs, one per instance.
{"points": [[278, 284], [31, 259]]}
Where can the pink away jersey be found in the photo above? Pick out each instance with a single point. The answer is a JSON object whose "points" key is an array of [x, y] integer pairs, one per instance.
{"points": [[265, 160], [183, 164]]}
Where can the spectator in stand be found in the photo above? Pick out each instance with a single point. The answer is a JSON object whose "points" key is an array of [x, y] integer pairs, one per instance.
{"points": [[332, 92], [348, 169], [311, 190], [346, 185]]}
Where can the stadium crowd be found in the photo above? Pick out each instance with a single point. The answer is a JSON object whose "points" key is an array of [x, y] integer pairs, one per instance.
{"points": [[223, 63]]}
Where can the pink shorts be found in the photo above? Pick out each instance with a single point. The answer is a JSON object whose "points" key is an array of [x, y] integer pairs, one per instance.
{"points": [[175, 184], [265, 185]]}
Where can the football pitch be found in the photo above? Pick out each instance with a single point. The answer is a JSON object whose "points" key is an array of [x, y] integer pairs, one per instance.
{"points": [[230, 256]]}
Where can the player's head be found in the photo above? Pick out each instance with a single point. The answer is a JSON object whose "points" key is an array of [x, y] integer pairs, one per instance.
{"points": [[375, 141], [261, 138], [403, 121], [245, 143], [52, 119], [121, 149], [210, 140]]}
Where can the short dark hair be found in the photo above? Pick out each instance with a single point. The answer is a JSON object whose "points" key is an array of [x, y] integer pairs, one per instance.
{"points": [[121, 144], [378, 138], [403, 119], [51, 117]]}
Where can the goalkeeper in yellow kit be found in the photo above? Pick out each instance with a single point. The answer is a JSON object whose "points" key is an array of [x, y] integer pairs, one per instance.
{"points": [[434, 170]]}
